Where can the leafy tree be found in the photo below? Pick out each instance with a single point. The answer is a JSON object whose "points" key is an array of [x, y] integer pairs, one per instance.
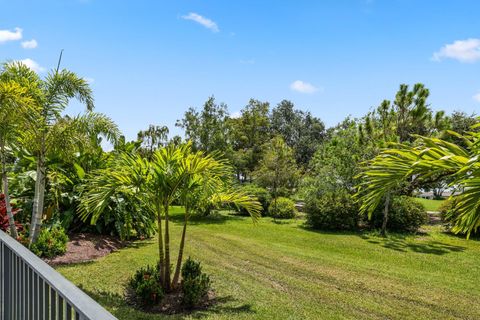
{"points": [[209, 129], [300, 130], [152, 138], [277, 170], [250, 132]]}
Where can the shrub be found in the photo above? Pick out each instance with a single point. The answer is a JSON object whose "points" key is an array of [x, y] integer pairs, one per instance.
{"points": [[282, 208], [405, 214], [261, 194], [195, 283], [51, 242], [145, 285], [332, 211]]}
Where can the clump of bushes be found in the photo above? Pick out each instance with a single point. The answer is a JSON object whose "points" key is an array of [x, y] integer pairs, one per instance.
{"points": [[145, 286], [261, 194], [282, 208], [51, 242], [332, 211], [145, 289], [195, 283], [405, 215]]}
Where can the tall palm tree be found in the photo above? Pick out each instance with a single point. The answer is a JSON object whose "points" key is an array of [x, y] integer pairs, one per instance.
{"points": [[15, 104], [49, 131]]}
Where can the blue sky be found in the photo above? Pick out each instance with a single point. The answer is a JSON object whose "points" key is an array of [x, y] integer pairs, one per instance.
{"points": [[148, 61]]}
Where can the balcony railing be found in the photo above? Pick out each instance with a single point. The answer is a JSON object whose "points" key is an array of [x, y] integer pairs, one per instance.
{"points": [[31, 290]]}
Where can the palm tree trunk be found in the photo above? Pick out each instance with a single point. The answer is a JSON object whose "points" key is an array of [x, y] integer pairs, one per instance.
{"points": [[167, 251], [8, 207], [176, 276], [160, 244], [37, 212], [385, 216]]}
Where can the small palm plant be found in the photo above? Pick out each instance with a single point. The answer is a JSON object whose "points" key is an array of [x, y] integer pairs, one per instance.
{"points": [[174, 173]]}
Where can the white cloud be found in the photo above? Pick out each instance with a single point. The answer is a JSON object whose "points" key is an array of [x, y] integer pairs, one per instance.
{"points": [[7, 35], [236, 115], [476, 97], [207, 23], [303, 87], [247, 61], [462, 50], [32, 65], [30, 44]]}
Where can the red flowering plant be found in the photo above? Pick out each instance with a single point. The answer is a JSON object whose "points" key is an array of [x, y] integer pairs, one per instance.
{"points": [[4, 225]]}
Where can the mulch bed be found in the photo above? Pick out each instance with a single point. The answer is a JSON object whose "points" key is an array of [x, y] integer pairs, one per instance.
{"points": [[172, 303], [83, 247]]}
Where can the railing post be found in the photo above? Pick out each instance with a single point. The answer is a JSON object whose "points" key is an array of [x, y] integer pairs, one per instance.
{"points": [[6, 268]]}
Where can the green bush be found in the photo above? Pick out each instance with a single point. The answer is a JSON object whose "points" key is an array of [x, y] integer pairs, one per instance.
{"points": [[282, 208], [332, 211], [145, 284], [261, 194], [405, 215], [195, 283], [51, 242]]}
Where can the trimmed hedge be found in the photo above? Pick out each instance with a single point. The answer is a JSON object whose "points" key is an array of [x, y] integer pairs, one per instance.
{"points": [[282, 208]]}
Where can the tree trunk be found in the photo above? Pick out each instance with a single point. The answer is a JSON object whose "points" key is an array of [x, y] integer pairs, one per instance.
{"points": [[176, 276], [8, 207], [167, 251], [385, 216], [37, 212], [160, 244]]}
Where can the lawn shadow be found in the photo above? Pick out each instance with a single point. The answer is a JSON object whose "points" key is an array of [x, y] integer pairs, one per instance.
{"points": [[120, 308], [212, 218], [404, 243]]}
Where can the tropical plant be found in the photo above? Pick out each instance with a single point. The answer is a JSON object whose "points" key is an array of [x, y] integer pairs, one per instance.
{"points": [[49, 132], [431, 159], [15, 106], [175, 173]]}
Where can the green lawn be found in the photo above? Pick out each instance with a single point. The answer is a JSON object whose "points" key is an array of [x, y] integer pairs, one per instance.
{"points": [[430, 205], [282, 271]]}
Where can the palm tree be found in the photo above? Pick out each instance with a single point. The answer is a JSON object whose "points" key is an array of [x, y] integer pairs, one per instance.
{"points": [[15, 104], [430, 160], [176, 172], [208, 182], [50, 132]]}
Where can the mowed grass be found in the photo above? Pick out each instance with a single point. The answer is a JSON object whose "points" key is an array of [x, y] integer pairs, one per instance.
{"points": [[283, 271], [430, 205]]}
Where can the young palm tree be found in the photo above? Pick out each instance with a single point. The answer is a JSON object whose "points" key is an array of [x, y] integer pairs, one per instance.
{"points": [[174, 172], [15, 105]]}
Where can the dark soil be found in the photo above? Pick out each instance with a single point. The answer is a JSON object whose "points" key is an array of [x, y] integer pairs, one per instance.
{"points": [[172, 303], [83, 247]]}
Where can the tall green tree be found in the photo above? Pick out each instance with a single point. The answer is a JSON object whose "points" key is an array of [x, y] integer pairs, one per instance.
{"points": [[300, 130], [152, 138], [15, 105], [209, 128], [250, 132], [277, 170], [48, 131]]}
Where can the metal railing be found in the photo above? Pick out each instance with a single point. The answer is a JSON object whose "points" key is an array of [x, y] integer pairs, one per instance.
{"points": [[31, 290]]}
